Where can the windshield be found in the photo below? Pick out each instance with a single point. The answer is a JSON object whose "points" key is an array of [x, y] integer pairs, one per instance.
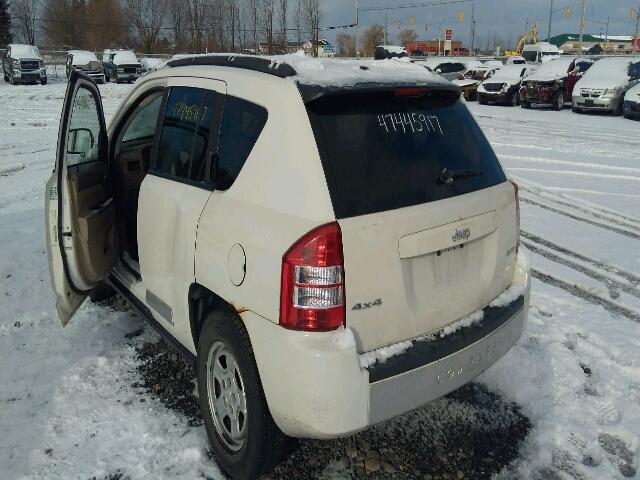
{"points": [[25, 51], [530, 55], [82, 58], [122, 58], [381, 152]]}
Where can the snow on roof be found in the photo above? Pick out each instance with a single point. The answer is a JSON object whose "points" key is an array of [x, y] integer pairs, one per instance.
{"points": [[614, 38], [82, 57], [345, 73], [24, 51], [393, 48], [508, 72], [553, 69], [607, 73]]}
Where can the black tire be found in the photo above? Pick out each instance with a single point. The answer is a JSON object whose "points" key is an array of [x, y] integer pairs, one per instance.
{"points": [[6, 77], [526, 105], [43, 82], [264, 444], [619, 109], [101, 292], [106, 78], [576, 110], [482, 101], [514, 100], [558, 101]]}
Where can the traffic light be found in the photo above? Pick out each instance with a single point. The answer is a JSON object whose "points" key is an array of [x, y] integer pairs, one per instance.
{"points": [[461, 16], [567, 12], [426, 28], [412, 21]]}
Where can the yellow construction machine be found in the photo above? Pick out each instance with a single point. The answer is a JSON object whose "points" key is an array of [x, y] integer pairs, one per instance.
{"points": [[533, 34]]}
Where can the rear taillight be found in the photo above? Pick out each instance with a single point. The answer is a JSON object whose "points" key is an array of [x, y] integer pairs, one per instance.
{"points": [[517, 194], [312, 293]]}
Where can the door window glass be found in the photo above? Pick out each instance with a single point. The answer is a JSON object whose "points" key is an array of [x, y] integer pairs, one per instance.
{"points": [[242, 123], [186, 128], [83, 138], [143, 121]]}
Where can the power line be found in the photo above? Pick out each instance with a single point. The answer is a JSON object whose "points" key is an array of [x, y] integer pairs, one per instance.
{"points": [[207, 27], [414, 5]]}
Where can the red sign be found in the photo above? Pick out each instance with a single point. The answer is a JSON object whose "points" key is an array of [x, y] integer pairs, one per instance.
{"points": [[448, 34]]}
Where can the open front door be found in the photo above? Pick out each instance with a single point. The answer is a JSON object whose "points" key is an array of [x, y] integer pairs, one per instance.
{"points": [[82, 241]]}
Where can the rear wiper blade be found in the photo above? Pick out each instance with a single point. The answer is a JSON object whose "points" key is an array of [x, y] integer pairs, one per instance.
{"points": [[447, 177]]}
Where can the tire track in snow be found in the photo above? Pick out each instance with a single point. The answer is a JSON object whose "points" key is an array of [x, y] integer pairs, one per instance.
{"points": [[582, 293], [609, 282], [576, 203], [600, 213], [627, 233], [607, 267]]}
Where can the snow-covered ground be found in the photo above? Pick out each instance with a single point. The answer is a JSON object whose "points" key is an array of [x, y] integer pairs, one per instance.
{"points": [[70, 404]]}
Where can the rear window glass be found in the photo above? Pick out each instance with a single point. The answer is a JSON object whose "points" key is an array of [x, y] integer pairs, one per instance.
{"points": [[381, 152]]}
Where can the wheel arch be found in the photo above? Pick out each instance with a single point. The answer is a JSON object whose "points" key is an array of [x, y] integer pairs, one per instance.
{"points": [[203, 301]]}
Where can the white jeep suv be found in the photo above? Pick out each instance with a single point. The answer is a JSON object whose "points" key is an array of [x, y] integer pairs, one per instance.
{"points": [[331, 243]]}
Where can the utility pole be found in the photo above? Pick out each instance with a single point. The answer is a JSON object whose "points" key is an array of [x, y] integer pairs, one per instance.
{"points": [[473, 26], [550, 16], [357, 26], [584, 9]]}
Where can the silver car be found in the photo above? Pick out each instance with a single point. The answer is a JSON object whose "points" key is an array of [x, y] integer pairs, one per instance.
{"points": [[604, 85]]}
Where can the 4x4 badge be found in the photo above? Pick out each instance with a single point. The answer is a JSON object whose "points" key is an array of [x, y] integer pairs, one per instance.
{"points": [[364, 306], [459, 235]]}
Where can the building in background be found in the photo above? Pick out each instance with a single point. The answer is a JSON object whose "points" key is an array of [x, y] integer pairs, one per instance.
{"points": [[569, 43], [430, 47]]}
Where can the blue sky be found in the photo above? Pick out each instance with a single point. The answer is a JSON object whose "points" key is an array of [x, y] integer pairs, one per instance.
{"points": [[508, 18]]}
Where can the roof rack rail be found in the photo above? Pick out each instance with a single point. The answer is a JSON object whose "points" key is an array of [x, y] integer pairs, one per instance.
{"points": [[257, 64]]}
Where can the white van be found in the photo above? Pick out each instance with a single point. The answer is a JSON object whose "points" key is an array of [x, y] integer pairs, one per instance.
{"points": [[538, 51]]}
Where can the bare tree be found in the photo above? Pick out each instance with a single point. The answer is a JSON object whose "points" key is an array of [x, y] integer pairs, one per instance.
{"points": [[282, 24], [311, 12], [372, 36], [24, 14], [251, 11], [63, 22], [178, 18], [267, 16], [103, 33], [299, 20], [345, 45], [407, 35], [196, 13], [147, 17]]}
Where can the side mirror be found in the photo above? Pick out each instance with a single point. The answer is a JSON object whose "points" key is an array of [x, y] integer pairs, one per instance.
{"points": [[80, 141]]}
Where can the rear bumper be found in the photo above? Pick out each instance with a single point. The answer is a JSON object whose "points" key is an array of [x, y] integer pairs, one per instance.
{"points": [[316, 388]]}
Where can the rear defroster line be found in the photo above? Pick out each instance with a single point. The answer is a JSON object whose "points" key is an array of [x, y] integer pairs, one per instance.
{"points": [[627, 233], [585, 295]]}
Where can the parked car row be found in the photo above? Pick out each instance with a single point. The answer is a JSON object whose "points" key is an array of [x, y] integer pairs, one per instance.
{"points": [[606, 85], [25, 64]]}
